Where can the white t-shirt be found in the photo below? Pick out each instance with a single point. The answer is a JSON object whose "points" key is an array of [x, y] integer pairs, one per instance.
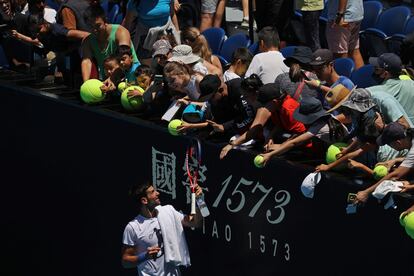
{"points": [[409, 158], [199, 67], [142, 233], [49, 14], [229, 75], [267, 66]]}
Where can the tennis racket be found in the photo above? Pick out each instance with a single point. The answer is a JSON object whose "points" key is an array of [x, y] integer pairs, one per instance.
{"points": [[193, 153]]}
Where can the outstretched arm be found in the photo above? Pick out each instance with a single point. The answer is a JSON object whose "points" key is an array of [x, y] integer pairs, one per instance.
{"points": [[262, 115], [398, 173], [286, 146]]}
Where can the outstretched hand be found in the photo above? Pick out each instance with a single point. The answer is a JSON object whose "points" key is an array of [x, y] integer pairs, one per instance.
{"points": [[225, 150]]}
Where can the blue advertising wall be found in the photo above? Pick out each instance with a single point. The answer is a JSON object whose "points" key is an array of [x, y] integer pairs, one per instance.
{"points": [[65, 174]]}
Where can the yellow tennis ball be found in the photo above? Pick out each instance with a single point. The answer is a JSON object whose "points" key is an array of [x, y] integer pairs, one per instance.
{"points": [[91, 92], [122, 86], [259, 161], [407, 222], [333, 150], [318, 82], [404, 77], [132, 104], [173, 125], [380, 171]]}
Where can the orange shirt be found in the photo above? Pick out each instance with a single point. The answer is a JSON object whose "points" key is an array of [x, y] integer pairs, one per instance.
{"points": [[284, 117]]}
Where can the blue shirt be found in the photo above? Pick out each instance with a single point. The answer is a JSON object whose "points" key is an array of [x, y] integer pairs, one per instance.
{"points": [[354, 10], [152, 13], [130, 74], [345, 82]]}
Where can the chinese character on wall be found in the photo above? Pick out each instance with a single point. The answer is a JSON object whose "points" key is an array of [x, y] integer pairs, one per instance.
{"points": [[163, 172]]}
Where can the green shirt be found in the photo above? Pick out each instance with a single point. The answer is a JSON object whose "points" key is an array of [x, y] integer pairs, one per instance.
{"points": [[109, 50], [402, 90], [309, 5]]}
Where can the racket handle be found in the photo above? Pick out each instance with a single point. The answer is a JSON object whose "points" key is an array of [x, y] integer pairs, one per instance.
{"points": [[193, 204]]}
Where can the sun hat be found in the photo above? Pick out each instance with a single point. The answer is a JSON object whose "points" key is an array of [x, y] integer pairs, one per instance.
{"points": [[360, 100], [301, 54], [161, 47], [184, 53], [337, 96], [309, 111], [309, 183]]}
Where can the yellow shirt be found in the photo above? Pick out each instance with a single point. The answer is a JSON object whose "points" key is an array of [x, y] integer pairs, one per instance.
{"points": [[309, 5]]}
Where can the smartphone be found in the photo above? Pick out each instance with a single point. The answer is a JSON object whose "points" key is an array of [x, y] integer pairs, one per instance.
{"points": [[304, 74], [351, 197]]}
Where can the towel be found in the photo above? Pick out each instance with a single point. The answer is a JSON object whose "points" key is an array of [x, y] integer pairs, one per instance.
{"points": [[153, 33], [175, 245]]}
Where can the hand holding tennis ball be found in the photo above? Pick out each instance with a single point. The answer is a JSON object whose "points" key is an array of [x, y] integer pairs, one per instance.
{"points": [[259, 161], [173, 125]]}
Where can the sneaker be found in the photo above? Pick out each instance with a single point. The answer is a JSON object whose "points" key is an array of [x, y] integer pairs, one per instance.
{"points": [[245, 24]]}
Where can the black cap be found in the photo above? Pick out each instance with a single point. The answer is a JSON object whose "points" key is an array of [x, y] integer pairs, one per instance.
{"points": [[269, 92], [209, 85], [388, 61], [301, 54], [392, 132], [321, 56]]}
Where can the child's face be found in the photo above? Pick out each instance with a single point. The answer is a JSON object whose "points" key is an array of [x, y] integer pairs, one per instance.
{"points": [[110, 67], [144, 81], [126, 62]]}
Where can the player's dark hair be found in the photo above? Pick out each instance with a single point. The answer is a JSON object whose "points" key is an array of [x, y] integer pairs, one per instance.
{"points": [[138, 191]]}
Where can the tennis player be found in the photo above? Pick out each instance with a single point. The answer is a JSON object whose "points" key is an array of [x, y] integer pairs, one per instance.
{"points": [[143, 245]]}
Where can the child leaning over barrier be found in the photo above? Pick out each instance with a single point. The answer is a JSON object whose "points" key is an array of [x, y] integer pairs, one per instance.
{"points": [[239, 63]]}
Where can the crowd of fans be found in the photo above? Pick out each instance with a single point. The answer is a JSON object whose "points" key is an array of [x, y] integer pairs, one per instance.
{"points": [[262, 100]]}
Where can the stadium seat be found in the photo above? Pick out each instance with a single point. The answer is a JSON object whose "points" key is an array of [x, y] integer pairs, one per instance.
{"points": [[215, 38], [287, 51], [394, 42], [254, 48], [390, 22], [3, 59], [232, 43], [53, 4], [362, 77], [105, 6], [224, 63], [113, 13], [372, 11], [344, 66]]}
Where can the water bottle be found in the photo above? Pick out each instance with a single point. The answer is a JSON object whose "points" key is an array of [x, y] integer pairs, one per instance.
{"points": [[203, 207]]}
